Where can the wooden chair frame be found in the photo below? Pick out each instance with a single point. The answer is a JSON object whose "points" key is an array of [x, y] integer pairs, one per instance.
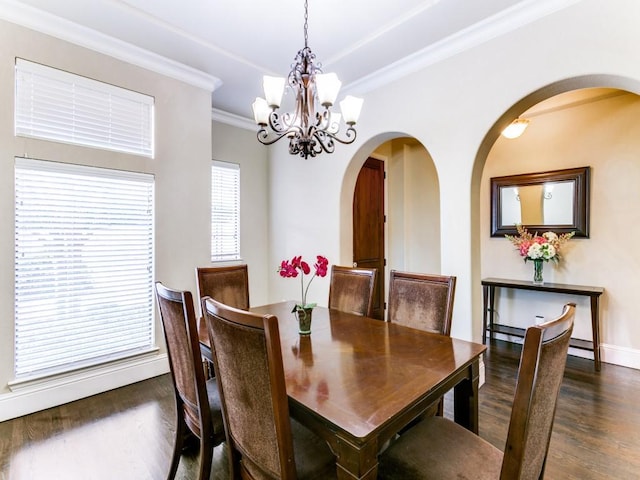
{"points": [[193, 412]]}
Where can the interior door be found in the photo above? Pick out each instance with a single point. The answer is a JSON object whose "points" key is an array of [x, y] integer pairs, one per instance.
{"points": [[368, 227]]}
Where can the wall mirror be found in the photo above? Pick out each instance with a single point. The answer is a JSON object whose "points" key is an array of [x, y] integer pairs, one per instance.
{"points": [[557, 200]]}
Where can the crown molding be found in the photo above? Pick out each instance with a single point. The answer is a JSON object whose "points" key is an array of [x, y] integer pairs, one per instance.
{"points": [[232, 119], [499, 24], [506, 21], [38, 20]]}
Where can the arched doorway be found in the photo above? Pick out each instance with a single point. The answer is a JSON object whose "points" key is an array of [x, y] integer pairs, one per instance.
{"points": [[412, 205], [588, 121]]}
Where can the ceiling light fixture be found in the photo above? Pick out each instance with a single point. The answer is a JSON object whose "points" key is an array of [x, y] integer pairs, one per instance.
{"points": [[311, 131], [515, 128]]}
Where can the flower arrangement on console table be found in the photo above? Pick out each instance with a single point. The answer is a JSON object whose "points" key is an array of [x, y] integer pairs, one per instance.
{"points": [[291, 269], [539, 248]]}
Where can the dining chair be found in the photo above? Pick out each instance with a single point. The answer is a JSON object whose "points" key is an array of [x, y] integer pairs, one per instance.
{"points": [[198, 406], [425, 302], [438, 448], [228, 284], [421, 301], [263, 441], [351, 289]]}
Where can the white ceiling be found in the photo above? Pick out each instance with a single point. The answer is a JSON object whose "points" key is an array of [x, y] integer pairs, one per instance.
{"points": [[235, 42]]}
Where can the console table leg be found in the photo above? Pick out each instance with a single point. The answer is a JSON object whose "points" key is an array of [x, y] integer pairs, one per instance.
{"points": [[492, 310], [595, 326], [485, 307]]}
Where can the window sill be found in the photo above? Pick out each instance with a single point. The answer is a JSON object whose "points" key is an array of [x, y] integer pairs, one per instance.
{"points": [[45, 381]]}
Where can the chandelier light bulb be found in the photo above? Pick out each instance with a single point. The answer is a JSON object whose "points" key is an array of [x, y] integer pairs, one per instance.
{"points": [[261, 111], [273, 90], [327, 88], [351, 107]]}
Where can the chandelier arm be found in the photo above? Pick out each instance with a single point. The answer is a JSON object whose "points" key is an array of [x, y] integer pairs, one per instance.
{"points": [[325, 141], [350, 134], [269, 138], [265, 138], [280, 124]]}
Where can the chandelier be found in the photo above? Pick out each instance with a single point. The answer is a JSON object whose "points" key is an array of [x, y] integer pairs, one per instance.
{"points": [[312, 127]]}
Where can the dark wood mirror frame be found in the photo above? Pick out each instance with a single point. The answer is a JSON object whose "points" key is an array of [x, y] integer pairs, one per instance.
{"points": [[580, 224]]}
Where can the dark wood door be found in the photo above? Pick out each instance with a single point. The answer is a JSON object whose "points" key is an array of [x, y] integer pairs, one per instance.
{"points": [[368, 226]]}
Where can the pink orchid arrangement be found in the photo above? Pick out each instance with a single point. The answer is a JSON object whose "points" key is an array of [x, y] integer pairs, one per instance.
{"points": [[296, 266], [539, 247]]}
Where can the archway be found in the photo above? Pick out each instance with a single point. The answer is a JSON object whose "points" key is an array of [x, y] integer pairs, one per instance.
{"points": [[412, 230], [600, 138]]}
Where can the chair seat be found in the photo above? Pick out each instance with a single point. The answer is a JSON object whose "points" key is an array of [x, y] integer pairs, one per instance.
{"points": [[314, 459], [431, 450], [216, 407]]}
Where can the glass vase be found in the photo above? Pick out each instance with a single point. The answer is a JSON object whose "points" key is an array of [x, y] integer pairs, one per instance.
{"points": [[537, 272], [304, 320]]}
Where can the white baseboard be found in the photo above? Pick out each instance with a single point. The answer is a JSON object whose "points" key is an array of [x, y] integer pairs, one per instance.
{"points": [[621, 356], [47, 394]]}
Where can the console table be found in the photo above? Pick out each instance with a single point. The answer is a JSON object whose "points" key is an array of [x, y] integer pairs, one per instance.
{"points": [[489, 293]]}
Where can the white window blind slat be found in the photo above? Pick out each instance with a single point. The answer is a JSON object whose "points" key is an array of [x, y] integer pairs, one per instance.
{"points": [[55, 105], [225, 211], [83, 266]]}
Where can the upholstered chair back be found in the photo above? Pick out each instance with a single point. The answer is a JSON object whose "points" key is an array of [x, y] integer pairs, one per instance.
{"points": [[229, 284], [351, 289], [421, 301], [248, 365]]}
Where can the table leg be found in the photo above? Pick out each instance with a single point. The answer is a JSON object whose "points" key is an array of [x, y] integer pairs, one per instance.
{"points": [[465, 398], [356, 461], [595, 327]]}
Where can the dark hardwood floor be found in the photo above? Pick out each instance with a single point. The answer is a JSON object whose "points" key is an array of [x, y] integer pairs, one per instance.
{"points": [[596, 434], [127, 433]]}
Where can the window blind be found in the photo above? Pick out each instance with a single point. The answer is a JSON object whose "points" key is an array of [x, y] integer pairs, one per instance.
{"points": [[52, 104], [225, 211], [83, 266]]}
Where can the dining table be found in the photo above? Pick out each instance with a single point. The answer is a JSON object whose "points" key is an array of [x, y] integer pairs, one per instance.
{"points": [[357, 381]]}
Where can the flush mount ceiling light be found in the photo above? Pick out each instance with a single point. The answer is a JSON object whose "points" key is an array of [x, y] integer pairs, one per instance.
{"points": [[310, 129], [515, 128]]}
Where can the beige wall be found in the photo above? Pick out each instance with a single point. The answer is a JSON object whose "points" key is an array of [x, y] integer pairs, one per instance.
{"points": [[182, 183], [238, 145], [455, 108], [604, 135], [413, 209]]}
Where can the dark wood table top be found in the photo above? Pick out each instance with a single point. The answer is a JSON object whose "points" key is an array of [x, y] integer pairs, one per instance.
{"points": [[364, 378]]}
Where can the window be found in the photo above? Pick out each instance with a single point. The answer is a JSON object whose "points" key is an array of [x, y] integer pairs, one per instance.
{"points": [[55, 105], [83, 266], [225, 211]]}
